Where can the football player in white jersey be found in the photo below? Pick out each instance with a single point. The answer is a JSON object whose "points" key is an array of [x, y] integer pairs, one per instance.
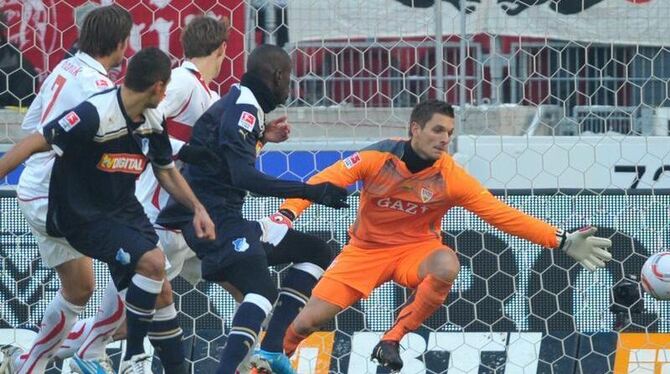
{"points": [[187, 96], [102, 145], [103, 38]]}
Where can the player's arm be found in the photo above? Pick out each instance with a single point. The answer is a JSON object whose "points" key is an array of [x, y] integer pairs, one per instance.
{"points": [[70, 128], [193, 154], [237, 148], [276, 131], [21, 151], [160, 154], [342, 173], [175, 184], [588, 250]]}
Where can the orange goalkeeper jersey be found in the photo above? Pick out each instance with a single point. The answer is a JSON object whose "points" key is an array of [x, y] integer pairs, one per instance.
{"points": [[398, 207]]}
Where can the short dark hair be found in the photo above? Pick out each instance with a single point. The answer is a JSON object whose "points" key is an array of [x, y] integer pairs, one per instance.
{"points": [[202, 36], [146, 67], [103, 29], [266, 58], [423, 112]]}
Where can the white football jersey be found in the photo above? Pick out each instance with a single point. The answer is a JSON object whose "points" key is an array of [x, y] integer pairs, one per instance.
{"points": [[74, 80], [187, 97]]}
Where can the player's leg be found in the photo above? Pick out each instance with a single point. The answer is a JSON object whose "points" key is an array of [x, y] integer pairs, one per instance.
{"points": [[77, 284], [431, 275], [353, 275], [236, 257], [143, 290], [432, 282], [89, 349], [166, 335], [136, 265], [310, 257], [329, 297], [249, 275]]}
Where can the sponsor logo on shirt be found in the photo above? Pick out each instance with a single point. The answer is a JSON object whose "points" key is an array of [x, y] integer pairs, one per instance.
{"points": [[122, 163], [352, 160], [122, 257], [69, 121], [240, 244], [426, 194], [401, 205], [145, 146], [247, 121]]}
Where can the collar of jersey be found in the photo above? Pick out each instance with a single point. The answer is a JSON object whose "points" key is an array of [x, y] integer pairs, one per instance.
{"points": [[129, 121], [261, 91], [404, 170], [90, 61], [190, 66]]}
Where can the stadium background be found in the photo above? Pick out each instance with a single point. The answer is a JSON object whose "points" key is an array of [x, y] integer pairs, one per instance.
{"points": [[562, 109]]}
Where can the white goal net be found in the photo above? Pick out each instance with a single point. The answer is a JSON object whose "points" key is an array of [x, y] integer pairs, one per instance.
{"points": [[563, 109]]}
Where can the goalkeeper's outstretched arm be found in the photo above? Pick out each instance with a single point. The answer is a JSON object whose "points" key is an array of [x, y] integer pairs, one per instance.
{"points": [[590, 251]]}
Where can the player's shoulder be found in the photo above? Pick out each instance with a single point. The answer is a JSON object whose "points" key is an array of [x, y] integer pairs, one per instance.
{"points": [[181, 79], [449, 166], [154, 120], [86, 70], [105, 99], [386, 147], [244, 97], [241, 108], [105, 104], [181, 71]]}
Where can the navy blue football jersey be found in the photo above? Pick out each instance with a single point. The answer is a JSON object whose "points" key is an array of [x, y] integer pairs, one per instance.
{"points": [[101, 152], [232, 128]]}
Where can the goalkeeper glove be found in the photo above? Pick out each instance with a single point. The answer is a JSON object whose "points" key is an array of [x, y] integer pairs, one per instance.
{"points": [[275, 226], [590, 251], [327, 194]]}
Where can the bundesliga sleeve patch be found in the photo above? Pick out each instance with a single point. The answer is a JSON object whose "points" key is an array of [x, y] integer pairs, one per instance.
{"points": [[69, 121], [247, 121], [352, 160], [101, 83]]}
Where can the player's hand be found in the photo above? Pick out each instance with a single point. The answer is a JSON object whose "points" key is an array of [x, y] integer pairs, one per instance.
{"points": [[590, 251], [204, 227], [327, 194], [277, 131], [275, 226], [197, 155]]}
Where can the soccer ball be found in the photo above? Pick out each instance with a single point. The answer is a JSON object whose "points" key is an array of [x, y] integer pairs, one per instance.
{"points": [[655, 276]]}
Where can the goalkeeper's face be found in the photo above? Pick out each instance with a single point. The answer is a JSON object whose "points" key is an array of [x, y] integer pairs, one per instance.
{"points": [[432, 140]]}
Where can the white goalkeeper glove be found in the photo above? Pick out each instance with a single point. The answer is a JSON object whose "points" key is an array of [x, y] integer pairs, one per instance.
{"points": [[276, 226], [590, 251]]}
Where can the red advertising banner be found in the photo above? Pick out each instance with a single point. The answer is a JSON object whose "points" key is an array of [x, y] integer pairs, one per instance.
{"points": [[44, 30]]}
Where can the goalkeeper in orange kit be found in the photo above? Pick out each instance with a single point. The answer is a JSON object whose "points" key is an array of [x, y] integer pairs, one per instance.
{"points": [[408, 188]]}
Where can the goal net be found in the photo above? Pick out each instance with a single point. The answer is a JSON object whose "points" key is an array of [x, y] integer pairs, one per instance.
{"points": [[563, 110]]}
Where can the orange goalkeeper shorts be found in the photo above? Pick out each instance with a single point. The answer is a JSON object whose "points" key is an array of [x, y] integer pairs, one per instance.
{"points": [[355, 272]]}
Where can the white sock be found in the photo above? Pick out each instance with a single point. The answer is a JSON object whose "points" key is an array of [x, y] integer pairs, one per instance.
{"points": [[75, 338], [57, 322], [108, 319]]}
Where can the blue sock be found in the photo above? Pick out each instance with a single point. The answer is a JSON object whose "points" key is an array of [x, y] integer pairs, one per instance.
{"points": [[293, 295], [166, 335], [140, 309], [244, 332]]}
